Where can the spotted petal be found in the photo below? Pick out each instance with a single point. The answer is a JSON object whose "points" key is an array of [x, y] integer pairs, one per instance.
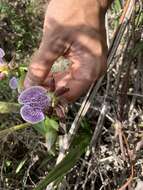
{"points": [[41, 102], [31, 94], [31, 115]]}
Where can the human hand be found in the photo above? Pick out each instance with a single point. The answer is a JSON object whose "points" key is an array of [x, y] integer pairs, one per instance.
{"points": [[74, 29]]}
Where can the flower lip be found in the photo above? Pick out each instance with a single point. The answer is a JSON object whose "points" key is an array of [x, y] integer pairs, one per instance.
{"points": [[31, 115]]}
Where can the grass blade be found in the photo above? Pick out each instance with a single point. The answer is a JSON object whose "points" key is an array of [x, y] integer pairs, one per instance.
{"points": [[64, 166], [6, 107], [14, 128]]}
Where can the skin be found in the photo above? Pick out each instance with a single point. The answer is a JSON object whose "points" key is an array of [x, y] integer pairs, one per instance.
{"points": [[74, 29]]}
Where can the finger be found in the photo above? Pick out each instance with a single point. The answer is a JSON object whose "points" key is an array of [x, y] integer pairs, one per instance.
{"points": [[52, 46], [43, 59], [76, 87]]}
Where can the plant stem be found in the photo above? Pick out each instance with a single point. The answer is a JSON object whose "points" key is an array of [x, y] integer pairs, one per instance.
{"points": [[6, 107], [14, 128]]}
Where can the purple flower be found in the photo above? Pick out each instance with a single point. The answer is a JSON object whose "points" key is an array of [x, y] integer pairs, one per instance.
{"points": [[35, 101], [13, 83], [2, 54]]}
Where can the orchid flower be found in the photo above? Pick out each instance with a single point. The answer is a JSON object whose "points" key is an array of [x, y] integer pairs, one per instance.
{"points": [[35, 101]]}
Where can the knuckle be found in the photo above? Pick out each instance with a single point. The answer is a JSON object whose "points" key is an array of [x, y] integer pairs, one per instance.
{"points": [[57, 45], [54, 43]]}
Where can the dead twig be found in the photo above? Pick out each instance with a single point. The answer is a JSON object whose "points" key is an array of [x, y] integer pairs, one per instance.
{"points": [[95, 86], [129, 180]]}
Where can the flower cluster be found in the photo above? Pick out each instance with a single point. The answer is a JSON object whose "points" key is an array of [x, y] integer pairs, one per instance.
{"points": [[7, 69]]}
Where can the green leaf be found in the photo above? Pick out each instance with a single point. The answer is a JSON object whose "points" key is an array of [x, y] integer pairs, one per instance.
{"points": [[21, 82], [117, 6], [40, 128], [86, 126], [20, 165], [51, 137], [48, 129], [64, 166], [49, 122], [6, 107], [44, 162], [44, 126], [51, 132], [22, 69]]}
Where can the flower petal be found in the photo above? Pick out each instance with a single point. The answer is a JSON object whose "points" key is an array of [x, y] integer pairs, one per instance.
{"points": [[31, 94], [36, 97], [1, 61], [2, 54], [31, 115], [13, 83], [42, 102]]}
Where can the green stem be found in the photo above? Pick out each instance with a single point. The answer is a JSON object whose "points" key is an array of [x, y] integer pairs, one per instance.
{"points": [[14, 128]]}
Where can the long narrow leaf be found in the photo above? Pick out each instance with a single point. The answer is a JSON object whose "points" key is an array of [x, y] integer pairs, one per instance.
{"points": [[6, 107], [14, 128], [64, 166]]}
